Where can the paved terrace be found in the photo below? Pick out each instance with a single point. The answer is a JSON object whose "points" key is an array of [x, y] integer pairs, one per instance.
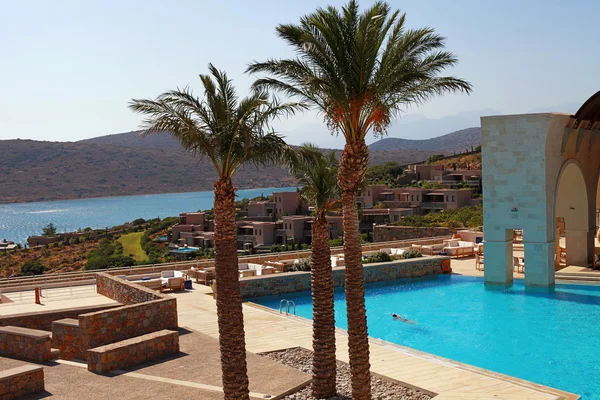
{"points": [[267, 330], [52, 299]]}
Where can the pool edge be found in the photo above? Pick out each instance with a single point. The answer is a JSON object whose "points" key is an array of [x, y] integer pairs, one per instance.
{"points": [[559, 394]]}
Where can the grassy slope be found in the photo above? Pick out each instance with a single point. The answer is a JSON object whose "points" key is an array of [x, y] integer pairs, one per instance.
{"points": [[131, 245]]}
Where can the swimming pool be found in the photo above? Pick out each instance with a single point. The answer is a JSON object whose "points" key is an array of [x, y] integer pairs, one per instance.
{"points": [[185, 250], [545, 336]]}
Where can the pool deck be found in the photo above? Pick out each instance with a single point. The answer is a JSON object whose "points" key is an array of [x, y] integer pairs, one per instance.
{"points": [[267, 330]]}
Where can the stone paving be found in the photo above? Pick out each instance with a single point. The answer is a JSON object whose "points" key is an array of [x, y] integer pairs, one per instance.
{"points": [[267, 330]]}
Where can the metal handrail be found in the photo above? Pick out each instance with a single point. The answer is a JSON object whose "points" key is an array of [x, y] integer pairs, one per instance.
{"points": [[287, 306]]}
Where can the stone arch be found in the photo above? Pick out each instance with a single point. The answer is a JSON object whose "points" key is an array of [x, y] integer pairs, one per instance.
{"points": [[571, 202]]}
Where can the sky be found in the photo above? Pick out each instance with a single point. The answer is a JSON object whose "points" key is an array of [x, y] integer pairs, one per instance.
{"points": [[69, 68]]}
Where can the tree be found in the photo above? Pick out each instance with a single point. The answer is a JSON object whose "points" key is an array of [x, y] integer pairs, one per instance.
{"points": [[49, 230], [317, 174], [229, 132], [32, 267], [359, 70]]}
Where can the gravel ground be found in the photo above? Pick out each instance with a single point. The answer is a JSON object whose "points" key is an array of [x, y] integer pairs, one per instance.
{"points": [[301, 359]]}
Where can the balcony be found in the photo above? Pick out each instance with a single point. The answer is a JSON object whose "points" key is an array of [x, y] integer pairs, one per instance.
{"points": [[434, 205]]}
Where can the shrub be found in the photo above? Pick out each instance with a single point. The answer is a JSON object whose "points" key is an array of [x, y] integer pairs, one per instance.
{"points": [[411, 253], [303, 265], [336, 242], [33, 267], [378, 257], [276, 248]]}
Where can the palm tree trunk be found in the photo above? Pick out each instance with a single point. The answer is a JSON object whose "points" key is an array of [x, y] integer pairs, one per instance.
{"points": [[353, 167], [229, 301], [324, 361]]}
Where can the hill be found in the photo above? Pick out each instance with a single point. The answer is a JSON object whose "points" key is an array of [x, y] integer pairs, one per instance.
{"points": [[455, 141], [42, 171]]}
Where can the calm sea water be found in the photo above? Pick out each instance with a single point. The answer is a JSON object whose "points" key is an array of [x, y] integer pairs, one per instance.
{"points": [[18, 221], [547, 337]]}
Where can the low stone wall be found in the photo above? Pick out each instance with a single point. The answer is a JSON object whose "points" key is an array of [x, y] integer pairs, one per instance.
{"points": [[125, 322], [145, 311], [124, 291], [300, 281], [387, 233], [25, 344], [67, 337], [21, 381], [133, 351], [43, 320]]}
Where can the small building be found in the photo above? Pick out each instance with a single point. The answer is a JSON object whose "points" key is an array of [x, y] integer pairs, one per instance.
{"points": [[191, 229]]}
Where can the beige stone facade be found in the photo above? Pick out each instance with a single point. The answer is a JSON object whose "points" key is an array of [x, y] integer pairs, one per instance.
{"points": [[537, 168]]}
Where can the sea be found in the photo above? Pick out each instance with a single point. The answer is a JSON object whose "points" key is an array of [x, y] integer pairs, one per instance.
{"points": [[20, 220]]}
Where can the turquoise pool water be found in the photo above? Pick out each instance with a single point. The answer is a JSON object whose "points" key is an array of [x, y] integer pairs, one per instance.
{"points": [[551, 337], [186, 250]]}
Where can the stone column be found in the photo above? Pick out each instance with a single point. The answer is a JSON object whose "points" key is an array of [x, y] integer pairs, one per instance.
{"points": [[539, 264], [498, 251], [580, 246]]}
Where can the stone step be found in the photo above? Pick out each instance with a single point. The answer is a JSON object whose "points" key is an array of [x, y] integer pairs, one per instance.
{"points": [[55, 354], [578, 277]]}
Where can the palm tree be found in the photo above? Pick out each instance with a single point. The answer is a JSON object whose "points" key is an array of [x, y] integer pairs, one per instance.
{"points": [[229, 132], [317, 174], [359, 70]]}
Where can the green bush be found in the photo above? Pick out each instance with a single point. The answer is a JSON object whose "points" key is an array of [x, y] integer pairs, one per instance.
{"points": [[33, 267], [276, 248], [467, 217], [411, 253], [378, 258], [303, 265], [336, 242]]}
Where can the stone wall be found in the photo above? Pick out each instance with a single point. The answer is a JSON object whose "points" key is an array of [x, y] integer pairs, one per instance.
{"points": [[21, 381], [387, 233], [25, 344], [145, 311], [133, 351], [124, 291], [125, 322], [67, 337], [300, 281], [43, 320]]}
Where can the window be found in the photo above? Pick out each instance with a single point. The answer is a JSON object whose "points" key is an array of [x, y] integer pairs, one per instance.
{"points": [[255, 231], [412, 197], [446, 198], [452, 198], [396, 218], [260, 231], [368, 193], [417, 197]]}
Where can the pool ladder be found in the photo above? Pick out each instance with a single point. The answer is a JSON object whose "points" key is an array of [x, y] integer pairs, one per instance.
{"points": [[287, 306]]}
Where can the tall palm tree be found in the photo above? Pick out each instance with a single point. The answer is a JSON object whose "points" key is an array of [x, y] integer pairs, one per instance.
{"points": [[360, 70], [317, 174], [229, 132]]}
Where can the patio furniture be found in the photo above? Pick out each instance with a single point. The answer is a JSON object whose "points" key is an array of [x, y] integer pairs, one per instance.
{"points": [[518, 265], [279, 266], [154, 284], [175, 283], [478, 262], [244, 273], [172, 280], [458, 248], [267, 270]]}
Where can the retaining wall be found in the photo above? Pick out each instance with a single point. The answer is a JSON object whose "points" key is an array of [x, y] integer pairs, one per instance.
{"points": [[25, 344], [124, 291], [133, 351], [67, 337], [43, 320], [21, 381], [386, 233], [300, 281]]}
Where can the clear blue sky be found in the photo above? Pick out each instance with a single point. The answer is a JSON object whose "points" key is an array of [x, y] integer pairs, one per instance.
{"points": [[69, 68]]}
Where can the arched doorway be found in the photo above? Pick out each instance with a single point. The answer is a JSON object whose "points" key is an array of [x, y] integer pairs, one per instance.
{"points": [[572, 215]]}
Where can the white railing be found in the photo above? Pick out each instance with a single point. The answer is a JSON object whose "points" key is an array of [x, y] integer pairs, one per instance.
{"points": [[71, 279]]}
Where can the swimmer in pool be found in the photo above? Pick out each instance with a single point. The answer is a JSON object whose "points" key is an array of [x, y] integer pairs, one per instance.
{"points": [[399, 318]]}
